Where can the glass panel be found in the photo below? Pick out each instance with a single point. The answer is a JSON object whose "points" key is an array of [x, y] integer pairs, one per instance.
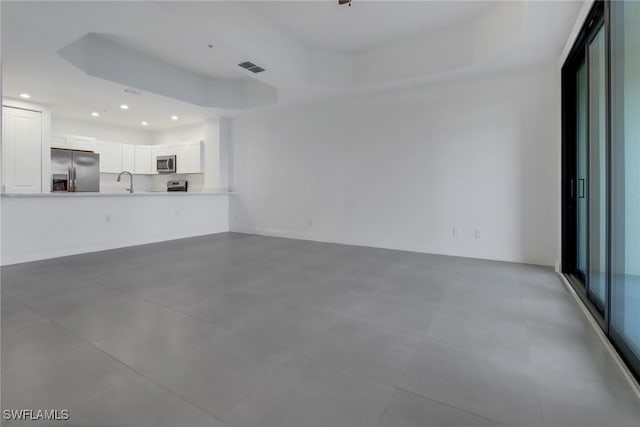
{"points": [[597, 201], [625, 164], [581, 178]]}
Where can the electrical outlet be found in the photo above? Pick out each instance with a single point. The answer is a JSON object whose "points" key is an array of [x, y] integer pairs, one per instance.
{"points": [[476, 234], [454, 233], [177, 212], [107, 218], [312, 223]]}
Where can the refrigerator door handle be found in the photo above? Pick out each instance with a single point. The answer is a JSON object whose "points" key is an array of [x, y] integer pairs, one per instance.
{"points": [[72, 178]]}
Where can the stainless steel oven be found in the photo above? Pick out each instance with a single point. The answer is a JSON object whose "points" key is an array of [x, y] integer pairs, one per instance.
{"points": [[166, 164], [178, 185]]}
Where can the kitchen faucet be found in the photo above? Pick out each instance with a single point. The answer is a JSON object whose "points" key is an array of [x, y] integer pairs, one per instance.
{"points": [[130, 190]]}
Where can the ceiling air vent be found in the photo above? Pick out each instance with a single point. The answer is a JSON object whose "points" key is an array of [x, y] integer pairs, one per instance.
{"points": [[251, 67], [133, 91]]}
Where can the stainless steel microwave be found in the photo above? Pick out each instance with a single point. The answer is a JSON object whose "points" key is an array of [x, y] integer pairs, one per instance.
{"points": [[166, 164]]}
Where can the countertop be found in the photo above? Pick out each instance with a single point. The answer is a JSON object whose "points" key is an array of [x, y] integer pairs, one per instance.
{"points": [[121, 194]]}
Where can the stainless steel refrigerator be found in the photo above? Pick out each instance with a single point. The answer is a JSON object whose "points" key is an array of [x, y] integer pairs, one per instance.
{"points": [[74, 170]]}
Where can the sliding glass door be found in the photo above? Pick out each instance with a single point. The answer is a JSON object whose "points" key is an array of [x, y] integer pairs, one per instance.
{"points": [[601, 171], [585, 164], [580, 191], [597, 164], [625, 179]]}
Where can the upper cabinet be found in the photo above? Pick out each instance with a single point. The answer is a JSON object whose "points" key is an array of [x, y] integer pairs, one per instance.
{"points": [[182, 162], [189, 156], [195, 157], [73, 142], [135, 158], [128, 154], [143, 163], [21, 150], [141, 159], [110, 156]]}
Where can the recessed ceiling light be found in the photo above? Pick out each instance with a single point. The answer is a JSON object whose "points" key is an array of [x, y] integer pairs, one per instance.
{"points": [[95, 114], [174, 117], [144, 123], [124, 106], [25, 95]]}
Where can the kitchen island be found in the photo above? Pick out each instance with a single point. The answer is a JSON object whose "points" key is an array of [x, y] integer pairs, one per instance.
{"points": [[48, 225]]}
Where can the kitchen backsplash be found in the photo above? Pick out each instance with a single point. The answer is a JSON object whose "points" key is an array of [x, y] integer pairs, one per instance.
{"points": [[145, 183]]}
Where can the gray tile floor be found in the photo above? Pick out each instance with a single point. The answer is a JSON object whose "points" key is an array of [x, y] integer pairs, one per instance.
{"points": [[239, 330]]}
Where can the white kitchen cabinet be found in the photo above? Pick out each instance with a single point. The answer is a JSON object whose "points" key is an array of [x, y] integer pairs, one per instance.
{"points": [[81, 143], [114, 157], [128, 157], [195, 157], [21, 150], [157, 150], [110, 156], [189, 156], [154, 154], [162, 150], [143, 160], [101, 150], [73, 142], [58, 141], [182, 162]]}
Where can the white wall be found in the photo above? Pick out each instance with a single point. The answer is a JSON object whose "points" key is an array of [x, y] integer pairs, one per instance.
{"points": [[181, 134], [401, 169], [99, 130], [52, 226]]}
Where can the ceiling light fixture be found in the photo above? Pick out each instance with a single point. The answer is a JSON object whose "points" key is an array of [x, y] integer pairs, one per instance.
{"points": [[95, 114], [25, 95], [174, 117], [124, 106], [341, 2], [144, 123]]}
